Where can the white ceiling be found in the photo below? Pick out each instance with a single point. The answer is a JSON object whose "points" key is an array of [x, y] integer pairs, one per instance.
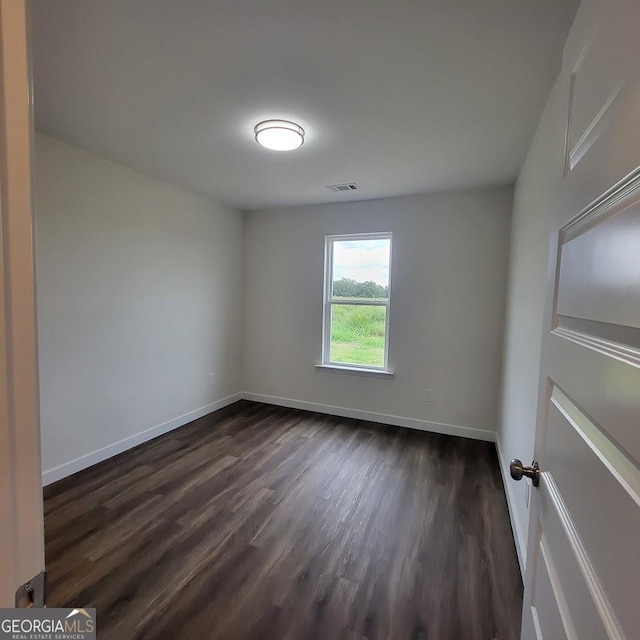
{"points": [[400, 96]]}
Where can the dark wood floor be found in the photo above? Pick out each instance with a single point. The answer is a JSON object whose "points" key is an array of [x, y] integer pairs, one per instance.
{"points": [[277, 524]]}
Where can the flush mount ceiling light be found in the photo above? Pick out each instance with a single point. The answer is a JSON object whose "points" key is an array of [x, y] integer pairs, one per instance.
{"points": [[279, 135]]}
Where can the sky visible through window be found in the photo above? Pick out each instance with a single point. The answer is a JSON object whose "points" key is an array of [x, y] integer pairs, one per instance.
{"points": [[362, 260]]}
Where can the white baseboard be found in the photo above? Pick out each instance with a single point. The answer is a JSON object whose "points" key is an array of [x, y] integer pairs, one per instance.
{"points": [[88, 460], [398, 421], [513, 515]]}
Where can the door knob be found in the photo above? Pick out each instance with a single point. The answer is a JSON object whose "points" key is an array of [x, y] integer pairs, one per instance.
{"points": [[518, 470]]}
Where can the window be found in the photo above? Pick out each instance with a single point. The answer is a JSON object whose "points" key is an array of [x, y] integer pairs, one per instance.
{"points": [[356, 301]]}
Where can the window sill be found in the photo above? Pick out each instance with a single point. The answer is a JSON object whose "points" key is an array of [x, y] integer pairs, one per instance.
{"points": [[355, 371]]}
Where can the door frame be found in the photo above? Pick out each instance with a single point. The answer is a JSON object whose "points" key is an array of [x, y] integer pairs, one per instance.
{"points": [[21, 503]]}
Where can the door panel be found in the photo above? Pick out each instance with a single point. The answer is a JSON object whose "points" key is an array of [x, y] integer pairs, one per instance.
{"points": [[584, 568], [21, 512], [599, 270], [603, 501], [578, 593], [587, 508], [549, 610], [603, 67], [605, 380]]}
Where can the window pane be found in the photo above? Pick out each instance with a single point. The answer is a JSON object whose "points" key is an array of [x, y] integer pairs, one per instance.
{"points": [[361, 268], [358, 334]]}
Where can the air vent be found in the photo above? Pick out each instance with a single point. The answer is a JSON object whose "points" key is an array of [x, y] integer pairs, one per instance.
{"points": [[347, 186]]}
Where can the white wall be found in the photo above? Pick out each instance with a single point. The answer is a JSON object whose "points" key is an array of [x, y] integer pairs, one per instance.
{"points": [[531, 241], [525, 313], [448, 295], [139, 299]]}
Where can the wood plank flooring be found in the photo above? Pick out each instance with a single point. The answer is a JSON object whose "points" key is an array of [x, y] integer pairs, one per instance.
{"points": [[265, 523]]}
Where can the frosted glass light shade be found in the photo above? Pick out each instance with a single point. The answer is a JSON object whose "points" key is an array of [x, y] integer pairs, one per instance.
{"points": [[279, 135]]}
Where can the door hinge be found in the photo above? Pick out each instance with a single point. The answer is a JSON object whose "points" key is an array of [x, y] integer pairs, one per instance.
{"points": [[32, 593]]}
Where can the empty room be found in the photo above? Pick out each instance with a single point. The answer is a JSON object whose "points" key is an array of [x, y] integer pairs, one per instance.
{"points": [[320, 319]]}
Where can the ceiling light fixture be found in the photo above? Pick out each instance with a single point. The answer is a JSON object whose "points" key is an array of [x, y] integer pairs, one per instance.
{"points": [[279, 135]]}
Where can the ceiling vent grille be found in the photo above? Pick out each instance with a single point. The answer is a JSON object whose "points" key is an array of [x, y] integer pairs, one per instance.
{"points": [[347, 186]]}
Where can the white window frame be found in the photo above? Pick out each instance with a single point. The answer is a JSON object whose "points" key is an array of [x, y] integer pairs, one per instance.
{"points": [[329, 301]]}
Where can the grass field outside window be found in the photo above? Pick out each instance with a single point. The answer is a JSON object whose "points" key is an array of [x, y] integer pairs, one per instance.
{"points": [[358, 334]]}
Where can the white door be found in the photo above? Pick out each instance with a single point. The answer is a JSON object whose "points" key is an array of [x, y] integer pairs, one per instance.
{"points": [[21, 515], [582, 578]]}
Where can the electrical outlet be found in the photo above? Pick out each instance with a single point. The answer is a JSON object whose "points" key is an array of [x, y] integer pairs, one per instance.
{"points": [[428, 395], [212, 378]]}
